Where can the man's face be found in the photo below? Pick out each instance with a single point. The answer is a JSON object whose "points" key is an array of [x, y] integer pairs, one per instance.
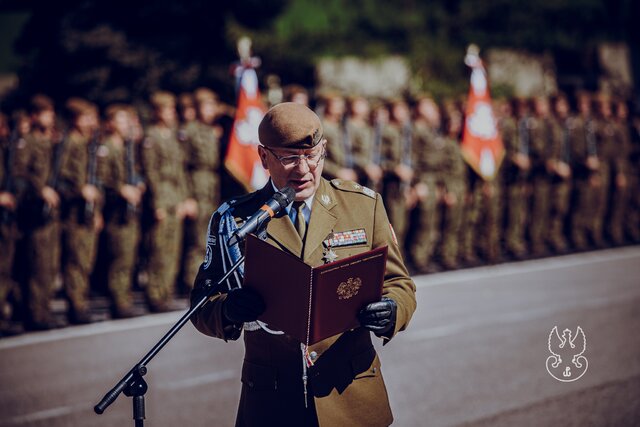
{"points": [[302, 178], [167, 115], [562, 108], [208, 111], [542, 107], [429, 110], [85, 123], [121, 124], [45, 119]]}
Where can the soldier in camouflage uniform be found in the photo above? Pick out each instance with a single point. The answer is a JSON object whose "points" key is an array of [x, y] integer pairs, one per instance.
{"points": [[123, 193], [543, 143], [202, 152], [340, 161], [585, 166], [82, 200], [560, 200], [163, 164], [516, 138], [396, 163], [454, 189], [8, 226], [39, 212], [632, 217], [620, 175], [367, 164], [429, 152], [608, 150]]}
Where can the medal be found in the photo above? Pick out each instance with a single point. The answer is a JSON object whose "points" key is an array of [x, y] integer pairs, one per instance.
{"points": [[329, 255]]}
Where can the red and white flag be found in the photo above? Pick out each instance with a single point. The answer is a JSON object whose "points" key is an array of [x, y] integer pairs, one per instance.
{"points": [[242, 159], [482, 146]]}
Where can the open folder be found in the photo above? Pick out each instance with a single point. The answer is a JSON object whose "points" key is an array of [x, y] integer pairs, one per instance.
{"points": [[312, 303]]}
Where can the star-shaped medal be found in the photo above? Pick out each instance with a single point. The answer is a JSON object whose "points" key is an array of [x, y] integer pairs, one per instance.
{"points": [[329, 256]]}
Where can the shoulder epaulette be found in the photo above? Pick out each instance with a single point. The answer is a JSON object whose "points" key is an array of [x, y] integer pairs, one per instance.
{"points": [[353, 187]]}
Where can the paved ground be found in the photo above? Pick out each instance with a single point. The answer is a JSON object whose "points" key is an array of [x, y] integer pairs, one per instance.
{"points": [[474, 355]]}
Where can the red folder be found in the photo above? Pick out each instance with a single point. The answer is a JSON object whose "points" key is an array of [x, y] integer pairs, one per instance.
{"points": [[312, 303]]}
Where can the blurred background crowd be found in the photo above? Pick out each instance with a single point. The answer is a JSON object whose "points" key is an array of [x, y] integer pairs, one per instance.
{"points": [[116, 118]]}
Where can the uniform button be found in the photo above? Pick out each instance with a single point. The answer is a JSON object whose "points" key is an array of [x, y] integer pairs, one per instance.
{"points": [[375, 370], [313, 355]]}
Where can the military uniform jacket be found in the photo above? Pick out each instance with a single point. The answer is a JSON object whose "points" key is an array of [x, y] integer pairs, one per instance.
{"points": [[202, 155], [163, 163], [336, 156], [345, 380]]}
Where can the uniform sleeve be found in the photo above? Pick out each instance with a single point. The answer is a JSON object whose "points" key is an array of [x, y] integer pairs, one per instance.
{"points": [[397, 283], [73, 173], [209, 319]]}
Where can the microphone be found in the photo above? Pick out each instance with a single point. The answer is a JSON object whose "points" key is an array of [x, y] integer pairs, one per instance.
{"points": [[271, 208]]}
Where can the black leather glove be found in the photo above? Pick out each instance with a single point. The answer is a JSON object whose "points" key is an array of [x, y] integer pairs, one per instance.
{"points": [[379, 317], [242, 305]]}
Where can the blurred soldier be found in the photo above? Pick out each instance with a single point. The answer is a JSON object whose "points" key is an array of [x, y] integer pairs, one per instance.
{"points": [[296, 93], [82, 200], [396, 153], [607, 150], [586, 164], [633, 210], [8, 225], [561, 181], [123, 192], [362, 139], [621, 173], [40, 163], [202, 153], [340, 161], [543, 143], [429, 152], [517, 142], [455, 170], [186, 109], [380, 122], [163, 163]]}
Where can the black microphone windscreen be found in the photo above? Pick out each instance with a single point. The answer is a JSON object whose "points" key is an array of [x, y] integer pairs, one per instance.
{"points": [[289, 195]]}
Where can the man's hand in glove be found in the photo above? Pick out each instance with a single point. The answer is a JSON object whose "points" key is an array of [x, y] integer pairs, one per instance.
{"points": [[379, 317], [242, 305]]}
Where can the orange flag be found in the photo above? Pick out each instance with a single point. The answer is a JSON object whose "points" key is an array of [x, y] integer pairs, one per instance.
{"points": [[242, 159], [482, 146]]}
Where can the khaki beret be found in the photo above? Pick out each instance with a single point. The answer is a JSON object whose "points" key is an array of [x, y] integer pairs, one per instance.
{"points": [[162, 99], [290, 125]]}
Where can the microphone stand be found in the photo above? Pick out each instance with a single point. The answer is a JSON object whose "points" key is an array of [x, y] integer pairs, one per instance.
{"points": [[133, 384]]}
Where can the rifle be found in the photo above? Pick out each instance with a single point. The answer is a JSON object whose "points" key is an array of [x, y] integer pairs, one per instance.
{"points": [[92, 175], [7, 216], [54, 177]]}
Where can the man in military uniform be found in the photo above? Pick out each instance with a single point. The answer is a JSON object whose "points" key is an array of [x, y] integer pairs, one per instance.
{"points": [[82, 200], [517, 143], [397, 166], [620, 173], [361, 134], [543, 143], [123, 192], [202, 153], [561, 181], [428, 158], [38, 163], [163, 164], [345, 385], [8, 224], [454, 188], [340, 162], [585, 166]]}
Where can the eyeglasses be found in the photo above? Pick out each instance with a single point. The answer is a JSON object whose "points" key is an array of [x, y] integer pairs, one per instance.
{"points": [[312, 160]]}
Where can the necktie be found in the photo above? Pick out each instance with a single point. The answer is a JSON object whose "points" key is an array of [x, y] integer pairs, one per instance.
{"points": [[300, 224]]}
